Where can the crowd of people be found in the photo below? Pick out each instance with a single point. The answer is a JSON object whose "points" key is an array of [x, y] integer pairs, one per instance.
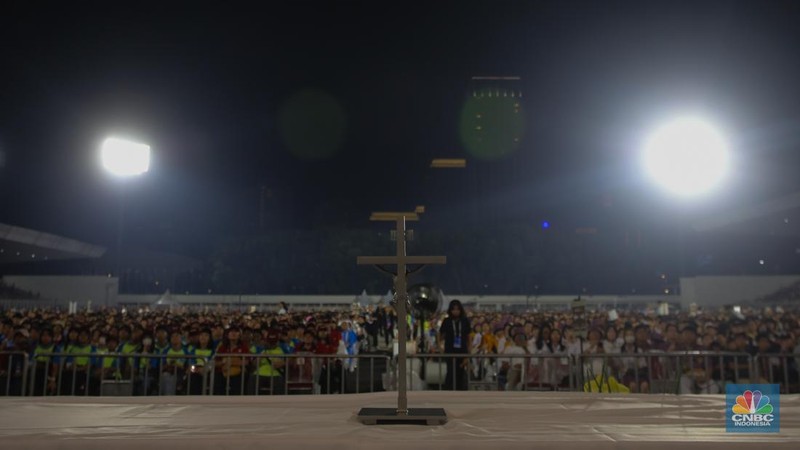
{"points": [[174, 351]]}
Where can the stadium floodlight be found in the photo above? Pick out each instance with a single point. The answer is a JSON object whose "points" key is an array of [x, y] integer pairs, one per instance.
{"points": [[687, 156], [125, 158]]}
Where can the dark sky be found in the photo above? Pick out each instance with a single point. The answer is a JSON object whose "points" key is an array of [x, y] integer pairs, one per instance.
{"points": [[206, 83]]}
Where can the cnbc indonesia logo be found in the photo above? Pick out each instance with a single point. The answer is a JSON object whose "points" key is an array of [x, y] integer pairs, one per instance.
{"points": [[752, 409]]}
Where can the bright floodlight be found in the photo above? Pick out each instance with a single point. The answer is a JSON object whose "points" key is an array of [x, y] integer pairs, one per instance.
{"points": [[125, 158], [687, 156]]}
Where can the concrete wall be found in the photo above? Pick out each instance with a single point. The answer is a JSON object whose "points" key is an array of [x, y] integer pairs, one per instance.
{"points": [[718, 291]]}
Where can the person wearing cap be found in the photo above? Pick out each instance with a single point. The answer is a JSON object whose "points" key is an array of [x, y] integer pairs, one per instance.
{"points": [[270, 377], [229, 370]]}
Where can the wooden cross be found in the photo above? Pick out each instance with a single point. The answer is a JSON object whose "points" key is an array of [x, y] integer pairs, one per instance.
{"points": [[402, 261]]}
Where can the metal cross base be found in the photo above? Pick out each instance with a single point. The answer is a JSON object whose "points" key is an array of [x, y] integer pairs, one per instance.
{"points": [[414, 416]]}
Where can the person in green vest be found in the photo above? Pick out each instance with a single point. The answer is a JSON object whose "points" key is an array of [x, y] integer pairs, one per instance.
{"points": [[202, 363], [173, 369], [161, 343], [270, 376], [146, 367], [127, 346], [75, 378], [46, 366], [107, 366]]}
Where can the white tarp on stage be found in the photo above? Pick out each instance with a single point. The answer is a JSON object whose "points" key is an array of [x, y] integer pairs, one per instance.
{"points": [[480, 420]]}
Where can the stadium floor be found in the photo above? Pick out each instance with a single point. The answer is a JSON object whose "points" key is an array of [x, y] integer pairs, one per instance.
{"points": [[477, 420]]}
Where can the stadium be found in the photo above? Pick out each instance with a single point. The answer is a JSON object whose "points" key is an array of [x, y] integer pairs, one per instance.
{"points": [[462, 224]]}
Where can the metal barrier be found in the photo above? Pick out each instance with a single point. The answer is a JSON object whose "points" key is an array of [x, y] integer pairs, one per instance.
{"points": [[663, 372], [439, 371], [115, 374], [296, 373], [141, 374], [13, 371], [779, 368]]}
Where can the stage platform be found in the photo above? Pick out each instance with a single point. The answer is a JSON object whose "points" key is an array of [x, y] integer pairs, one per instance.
{"points": [[477, 420]]}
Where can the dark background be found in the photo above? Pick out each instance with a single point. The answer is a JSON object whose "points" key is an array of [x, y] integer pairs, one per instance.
{"points": [[206, 84]]}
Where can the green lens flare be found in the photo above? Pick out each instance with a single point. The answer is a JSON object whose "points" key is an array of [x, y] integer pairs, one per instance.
{"points": [[492, 124]]}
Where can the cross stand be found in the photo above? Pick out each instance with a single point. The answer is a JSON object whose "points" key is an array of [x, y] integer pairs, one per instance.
{"points": [[401, 415]]}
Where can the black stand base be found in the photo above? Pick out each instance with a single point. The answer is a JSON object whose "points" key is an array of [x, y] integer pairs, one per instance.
{"points": [[415, 416]]}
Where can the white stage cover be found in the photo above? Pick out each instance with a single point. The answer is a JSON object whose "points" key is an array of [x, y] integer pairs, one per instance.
{"points": [[480, 420]]}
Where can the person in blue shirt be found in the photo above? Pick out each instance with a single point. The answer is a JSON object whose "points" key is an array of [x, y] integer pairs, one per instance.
{"points": [[201, 363], [173, 368]]}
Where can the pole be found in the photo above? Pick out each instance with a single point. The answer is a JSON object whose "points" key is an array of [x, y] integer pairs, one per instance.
{"points": [[402, 298]]}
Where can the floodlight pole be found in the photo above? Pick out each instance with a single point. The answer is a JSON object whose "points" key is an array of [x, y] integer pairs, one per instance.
{"points": [[431, 416]]}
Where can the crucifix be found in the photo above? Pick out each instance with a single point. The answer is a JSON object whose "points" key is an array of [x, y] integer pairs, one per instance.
{"points": [[429, 416]]}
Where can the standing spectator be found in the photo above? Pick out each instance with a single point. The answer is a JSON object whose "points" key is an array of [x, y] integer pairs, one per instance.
{"points": [[612, 344], [46, 366], [173, 370], [146, 368], [76, 372], [230, 370], [390, 319], [202, 363], [634, 369], [372, 328], [513, 367], [284, 309], [161, 343], [12, 366], [349, 345], [454, 336], [270, 378], [555, 371]]}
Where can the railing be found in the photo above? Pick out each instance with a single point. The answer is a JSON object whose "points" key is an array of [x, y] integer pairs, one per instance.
{"points": [[779, 368], [49, 374], [139, 374], [13, 371], [492, 371], [664, 372]]}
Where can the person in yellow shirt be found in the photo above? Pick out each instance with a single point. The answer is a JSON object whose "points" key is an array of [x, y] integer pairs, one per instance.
{"points": [[270, 373], [489, 340]]}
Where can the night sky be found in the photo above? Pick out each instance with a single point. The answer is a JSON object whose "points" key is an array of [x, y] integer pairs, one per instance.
{"points": [[210, 86]]}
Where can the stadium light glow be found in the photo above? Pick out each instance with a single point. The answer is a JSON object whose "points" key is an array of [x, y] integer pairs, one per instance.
{"points": [[687, 156], [125, 158]]}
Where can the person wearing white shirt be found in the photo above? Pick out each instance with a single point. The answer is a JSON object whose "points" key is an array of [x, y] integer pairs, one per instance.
{"points": [[613, 342], [514, 366]]}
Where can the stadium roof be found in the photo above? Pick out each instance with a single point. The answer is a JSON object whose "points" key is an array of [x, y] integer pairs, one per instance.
{"points": [[776, 217], [19, 245]]}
